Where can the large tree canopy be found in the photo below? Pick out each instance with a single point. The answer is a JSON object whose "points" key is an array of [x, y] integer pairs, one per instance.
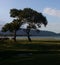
{"points": [[27, 15], [30, 15]]}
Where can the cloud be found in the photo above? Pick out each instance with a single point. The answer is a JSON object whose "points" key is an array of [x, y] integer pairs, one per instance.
{"points": [[53, 12], [54, 27]]}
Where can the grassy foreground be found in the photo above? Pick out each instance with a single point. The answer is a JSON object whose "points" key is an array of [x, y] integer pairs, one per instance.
{"points": [[37, 52], [21, 45]]}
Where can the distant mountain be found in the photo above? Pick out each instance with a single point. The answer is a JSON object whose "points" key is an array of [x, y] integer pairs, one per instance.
{"points": [[22, 32]]}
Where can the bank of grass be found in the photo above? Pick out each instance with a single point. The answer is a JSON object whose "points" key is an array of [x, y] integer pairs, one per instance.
{"points": [[21, 45], [35, 59], [23, 52]]}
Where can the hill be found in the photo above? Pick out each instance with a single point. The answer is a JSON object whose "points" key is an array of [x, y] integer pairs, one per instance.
{"points": [[22, 32]]}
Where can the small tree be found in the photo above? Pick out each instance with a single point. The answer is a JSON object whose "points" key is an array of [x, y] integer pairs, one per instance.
{"points": [[12, 27]]}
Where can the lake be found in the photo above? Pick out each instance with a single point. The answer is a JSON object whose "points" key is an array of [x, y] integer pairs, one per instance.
{"points": [[39, 37], [34, 37]]}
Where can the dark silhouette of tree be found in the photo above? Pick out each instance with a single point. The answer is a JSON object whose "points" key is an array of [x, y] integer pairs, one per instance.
{"points": [[33, 18], [12, 27]]}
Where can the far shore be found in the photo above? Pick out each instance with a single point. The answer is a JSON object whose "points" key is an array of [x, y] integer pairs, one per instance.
{"points": [[43, 38]]}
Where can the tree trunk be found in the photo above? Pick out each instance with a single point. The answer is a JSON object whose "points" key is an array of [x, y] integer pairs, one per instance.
{"points": [[15, 36], [28, 35], [29, 38]]}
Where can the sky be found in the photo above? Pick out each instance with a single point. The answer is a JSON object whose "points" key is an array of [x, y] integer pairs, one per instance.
{"points": [[49, 8]]}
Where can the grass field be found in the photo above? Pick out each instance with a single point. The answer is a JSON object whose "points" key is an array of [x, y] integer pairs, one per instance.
{"points": [[37, 52], [34, 45], [14, 58]]}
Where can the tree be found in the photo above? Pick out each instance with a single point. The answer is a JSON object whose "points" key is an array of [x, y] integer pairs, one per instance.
{"points": [[12, 27], [33, 18]]}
